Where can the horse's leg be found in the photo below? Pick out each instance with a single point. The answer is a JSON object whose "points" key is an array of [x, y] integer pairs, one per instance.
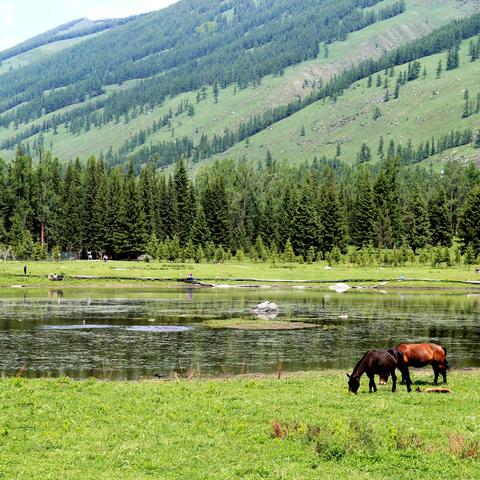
{"points": [[406, 376], [436, 372], [372, 385], [443, 371], [394, 381]]}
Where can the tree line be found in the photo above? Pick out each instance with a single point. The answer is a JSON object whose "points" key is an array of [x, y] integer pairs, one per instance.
{"points": [[311, 211]]}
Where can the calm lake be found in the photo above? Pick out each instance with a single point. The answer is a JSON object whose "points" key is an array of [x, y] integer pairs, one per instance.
{"points": [[131, 334]]}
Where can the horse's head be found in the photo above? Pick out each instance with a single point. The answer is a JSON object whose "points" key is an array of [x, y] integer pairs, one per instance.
{"points": [[353, 384]]}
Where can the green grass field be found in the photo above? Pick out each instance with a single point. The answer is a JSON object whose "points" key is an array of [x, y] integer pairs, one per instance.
{"points": [[421, 17], [127, 273], [303, 426]]}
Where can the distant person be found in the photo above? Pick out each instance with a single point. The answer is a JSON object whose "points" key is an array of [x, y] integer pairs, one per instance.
{"points": [[190, 277], [105, 258], [24, 269]]}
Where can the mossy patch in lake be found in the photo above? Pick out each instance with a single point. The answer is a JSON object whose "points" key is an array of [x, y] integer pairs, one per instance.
{"points": [[246, 323]]}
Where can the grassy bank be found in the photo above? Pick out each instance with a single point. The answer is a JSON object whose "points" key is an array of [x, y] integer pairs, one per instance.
{"points": [[303, 426], [84, 273]]}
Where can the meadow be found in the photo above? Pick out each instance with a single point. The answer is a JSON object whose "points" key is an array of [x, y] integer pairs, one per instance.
{"points": [[131, 273], [301, 426]]}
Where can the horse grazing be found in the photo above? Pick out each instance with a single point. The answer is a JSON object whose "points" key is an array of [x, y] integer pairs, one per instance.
{"points": [[378, 362], [420, 354]]}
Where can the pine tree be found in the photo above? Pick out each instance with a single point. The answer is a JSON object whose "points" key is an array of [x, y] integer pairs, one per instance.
{"points": [[364, 155], [307, 229], [215, 92], [148, 196], [416, 217], [469, 221], [136, 235], [469, 256], [331, 216], [466, 108], [476, 141], [369, 81], [116, 214], [287, 212], [89, 193], [288, 253], [338, 152], [439, 69], [217, 212], [363, 212], [388, 224], [453, 58], [380, 152], [185, 208], [100, 220], [396, 92], [71, 228], [440, 219], [379, 80], [200, 232]]}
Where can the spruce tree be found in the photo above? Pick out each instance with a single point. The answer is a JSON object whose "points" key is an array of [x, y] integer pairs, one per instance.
{"points": [[115, 212], [89, 193], [440, 219], [388, 224], [185, 209], [217, 212], [439, 69], [71, 227], [469, 221], [136, 235], [200, 232], [148, 197], [307, 227], [416, 218], [363, 211], [331, 216]]}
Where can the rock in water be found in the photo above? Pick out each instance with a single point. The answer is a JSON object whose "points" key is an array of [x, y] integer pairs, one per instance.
{"points": [[266, 309], [340, 287]]}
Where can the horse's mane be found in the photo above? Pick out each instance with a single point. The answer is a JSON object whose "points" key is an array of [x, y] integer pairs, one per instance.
{"points": [[359, 363]]}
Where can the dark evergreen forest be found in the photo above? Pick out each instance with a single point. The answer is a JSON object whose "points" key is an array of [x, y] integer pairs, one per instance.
{"points": [[304, 213]]}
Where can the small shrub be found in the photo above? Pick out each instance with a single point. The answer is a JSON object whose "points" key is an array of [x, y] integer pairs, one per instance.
{"points": [[463, 447], [409, 441], [333, 449]]}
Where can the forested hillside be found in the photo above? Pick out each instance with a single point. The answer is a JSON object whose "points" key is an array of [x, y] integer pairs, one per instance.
{"points": [[300, 141], [157, 84]]}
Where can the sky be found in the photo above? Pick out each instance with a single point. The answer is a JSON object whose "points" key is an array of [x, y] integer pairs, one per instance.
{"points": [[23, 19]]}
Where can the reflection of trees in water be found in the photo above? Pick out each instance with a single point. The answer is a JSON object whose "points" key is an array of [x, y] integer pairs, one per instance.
{"points": [[374, 321]]}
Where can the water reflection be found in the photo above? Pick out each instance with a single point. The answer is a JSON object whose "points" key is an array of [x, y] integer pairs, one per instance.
{"points": [[133, 334]]}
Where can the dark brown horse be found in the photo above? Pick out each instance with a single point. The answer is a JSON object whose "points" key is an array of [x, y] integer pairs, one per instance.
{"points": [[378, 362], [421, 354]]}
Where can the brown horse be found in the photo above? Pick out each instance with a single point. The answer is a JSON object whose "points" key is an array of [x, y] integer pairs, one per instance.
{"points": [[378, 362], [420, 354]]}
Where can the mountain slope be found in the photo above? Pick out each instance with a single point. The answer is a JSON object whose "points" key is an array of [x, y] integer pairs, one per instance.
{"points": [[125, 118], [427, 107]]}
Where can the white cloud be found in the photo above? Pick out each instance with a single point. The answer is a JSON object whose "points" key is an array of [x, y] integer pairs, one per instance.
{"points": [[7, 14]]}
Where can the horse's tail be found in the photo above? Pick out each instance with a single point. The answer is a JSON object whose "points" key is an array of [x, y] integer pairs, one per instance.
{"points": [[445, 362]]}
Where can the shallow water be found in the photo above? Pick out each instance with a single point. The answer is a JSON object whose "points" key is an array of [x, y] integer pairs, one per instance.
{"points": [[130, 334]]}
